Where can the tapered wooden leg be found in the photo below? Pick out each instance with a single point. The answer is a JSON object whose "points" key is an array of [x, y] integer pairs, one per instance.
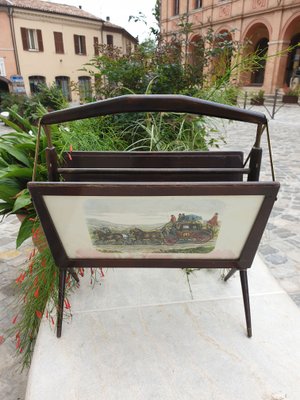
{"points": [[61, 298], [230, 273], [244, 283], [74, 275]]}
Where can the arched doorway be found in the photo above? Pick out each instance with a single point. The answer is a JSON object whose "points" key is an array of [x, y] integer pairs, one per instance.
{"points": [[261, 50], [293, 62], [222, 54], [256, 41], [196, 57], [4, 87]]}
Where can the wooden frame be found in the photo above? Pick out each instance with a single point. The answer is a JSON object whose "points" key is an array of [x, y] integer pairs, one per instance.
{"points": [[263, 193], [137, 175]]}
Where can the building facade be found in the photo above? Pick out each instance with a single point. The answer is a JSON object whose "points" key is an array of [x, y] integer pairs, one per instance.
{"points": [[8, 66], [51, 42], [268, 26]]}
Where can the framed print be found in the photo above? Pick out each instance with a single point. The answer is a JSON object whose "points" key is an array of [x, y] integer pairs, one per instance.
{"points": [[138, 224]]}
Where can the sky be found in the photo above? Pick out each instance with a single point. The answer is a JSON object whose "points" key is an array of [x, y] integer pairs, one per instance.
{"points": [[119, 12]]}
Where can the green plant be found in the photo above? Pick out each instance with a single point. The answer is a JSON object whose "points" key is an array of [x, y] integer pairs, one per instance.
{"points": [[37, 296], [49, 97], [260, 95], [17, 157], [292, 91], [17, 151]]}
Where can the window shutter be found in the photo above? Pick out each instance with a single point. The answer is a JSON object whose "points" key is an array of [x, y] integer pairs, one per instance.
{"points": [[96, 46], [76, 44], [24, 36], [40, 40], [83, 45], [59, 44]]}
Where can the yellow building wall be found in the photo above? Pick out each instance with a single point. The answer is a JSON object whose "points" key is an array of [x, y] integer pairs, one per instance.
{"points": [[47, 63]]}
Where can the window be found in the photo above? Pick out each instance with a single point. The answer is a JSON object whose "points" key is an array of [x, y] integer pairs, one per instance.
{"points": [[63, 82], [79, 45], [198, 4], [176, 7], [96, 46], [128, 47], [58, 41], [110, 40], [32, 39], [2, 67], [35, 82], [85, 87]]}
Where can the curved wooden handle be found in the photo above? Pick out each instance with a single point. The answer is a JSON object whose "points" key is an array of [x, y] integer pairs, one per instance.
{"points": [[154, 103]]}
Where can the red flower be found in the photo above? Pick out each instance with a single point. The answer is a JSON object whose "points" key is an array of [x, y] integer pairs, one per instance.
{"points": [[101, 271], [38, 314], [14, 319], [18, 343], [47, 314], [36, 279], [43, 263], [30, 267], [21, 350], [67, 304], [36, 293], [2, 340], [21, 278], [81, 272], [32, 254], [52, 320]]}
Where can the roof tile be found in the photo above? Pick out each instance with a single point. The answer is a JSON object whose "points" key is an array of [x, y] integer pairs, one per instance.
{"points": [[54, 8]]}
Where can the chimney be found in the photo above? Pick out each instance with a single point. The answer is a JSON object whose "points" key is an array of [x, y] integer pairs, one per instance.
{"points": [[107, 19], [80, 7]]}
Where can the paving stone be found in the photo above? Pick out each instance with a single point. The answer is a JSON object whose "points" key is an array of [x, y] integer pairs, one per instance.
{"points": [[10, 254], [284, 233], [296, 298], [290, 217], [267, 249]]}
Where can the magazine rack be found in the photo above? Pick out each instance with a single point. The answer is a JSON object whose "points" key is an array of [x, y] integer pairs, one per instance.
{"points": [[154, 209]]}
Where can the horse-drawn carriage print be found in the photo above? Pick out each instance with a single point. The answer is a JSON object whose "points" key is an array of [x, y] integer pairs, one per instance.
{"points": [[182, 233]]}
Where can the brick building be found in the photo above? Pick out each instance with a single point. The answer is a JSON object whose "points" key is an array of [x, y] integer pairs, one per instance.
{"points": [[271, 26]]}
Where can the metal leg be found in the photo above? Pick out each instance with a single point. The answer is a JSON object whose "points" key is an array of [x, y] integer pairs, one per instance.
{"points": [[74, 275], [61, 297], [244, 283], [230, 273]]}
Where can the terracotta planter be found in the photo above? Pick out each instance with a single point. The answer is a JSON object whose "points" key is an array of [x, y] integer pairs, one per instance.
{"points": [[290, 99]]}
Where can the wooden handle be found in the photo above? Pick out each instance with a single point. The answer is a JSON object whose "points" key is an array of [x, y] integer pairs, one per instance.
{"points": [[154, 103]]}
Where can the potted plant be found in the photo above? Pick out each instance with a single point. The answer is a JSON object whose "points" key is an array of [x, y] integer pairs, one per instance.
{"points": [[258, 99], [291, 96]]}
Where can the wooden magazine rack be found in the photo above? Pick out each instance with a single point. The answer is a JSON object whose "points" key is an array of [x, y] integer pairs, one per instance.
{"points": [[154, 209]]}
